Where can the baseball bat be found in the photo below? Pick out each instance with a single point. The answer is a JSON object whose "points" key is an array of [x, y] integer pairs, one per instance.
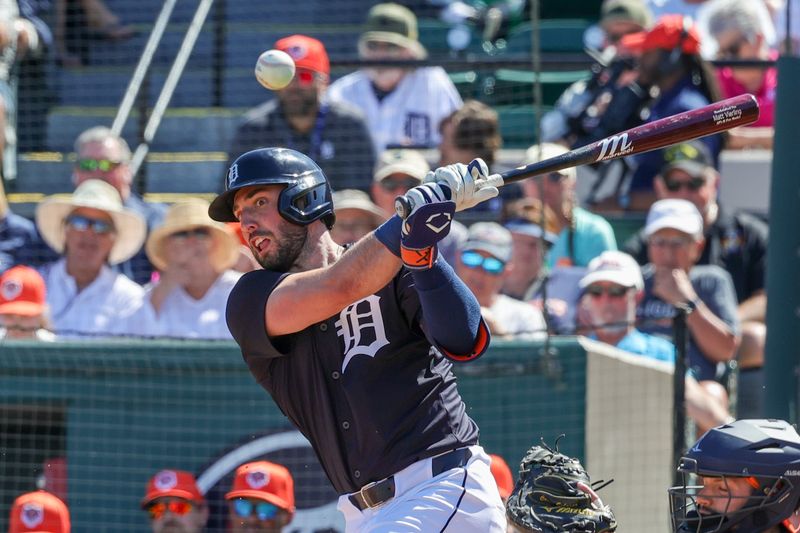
{"points": [[708, 120]]}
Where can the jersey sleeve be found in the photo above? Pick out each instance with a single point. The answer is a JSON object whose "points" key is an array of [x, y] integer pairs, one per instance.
{"points": [[247, 304]]}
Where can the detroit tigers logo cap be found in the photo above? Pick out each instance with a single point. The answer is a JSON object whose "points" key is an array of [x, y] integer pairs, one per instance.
{"points": [[39, 512], [307, 53], [266, 481], [175, 483], [22, 292]]}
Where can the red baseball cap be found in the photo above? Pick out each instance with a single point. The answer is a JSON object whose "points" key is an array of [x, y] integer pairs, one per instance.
{"points": [[669, 32], [39, 512], [307, 53], [264, 481], [502, 476], [22, 292], [175, 483]]}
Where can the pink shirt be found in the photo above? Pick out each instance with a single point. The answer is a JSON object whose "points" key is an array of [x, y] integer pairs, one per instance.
{"points": [[765, 96]]}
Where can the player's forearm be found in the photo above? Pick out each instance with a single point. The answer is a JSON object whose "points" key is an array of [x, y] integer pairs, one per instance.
{"points": [[713, 336], [754, 308], [703, 408]]}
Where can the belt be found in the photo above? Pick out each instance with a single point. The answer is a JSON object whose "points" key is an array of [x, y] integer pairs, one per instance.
{"points": [[378, 492]]}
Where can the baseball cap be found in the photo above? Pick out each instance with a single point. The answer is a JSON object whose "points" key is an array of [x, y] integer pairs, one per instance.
{"points": [[39, 512], [668, 33], [307, 53], [615, 267], [491, 238], [359, 200], [264, 481], [394, 24], [502, 475], [692, 157], [22, 292], [176, 483], [399, 161], [681, 215], [634, 11]]}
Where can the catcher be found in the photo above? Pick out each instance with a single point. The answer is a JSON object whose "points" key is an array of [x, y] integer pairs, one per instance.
{"points": [[554, 494]]}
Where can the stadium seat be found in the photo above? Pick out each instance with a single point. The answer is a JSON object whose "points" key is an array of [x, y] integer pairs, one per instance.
{"points": [[516, 87], [517, 125], [557, 35]]}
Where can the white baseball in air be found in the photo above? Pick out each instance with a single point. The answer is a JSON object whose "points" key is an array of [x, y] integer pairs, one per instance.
{"points": [[274, 69]]}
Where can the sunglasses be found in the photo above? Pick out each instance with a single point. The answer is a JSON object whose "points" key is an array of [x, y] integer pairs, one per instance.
{"points": [[197, 233], [492, 265], [394, 185], [263, 510], [732, 51], [555, 177], [614, 291], [379, 46], [176, 507], [664, 242], [103, 165], [82, 223], [694, 184]]}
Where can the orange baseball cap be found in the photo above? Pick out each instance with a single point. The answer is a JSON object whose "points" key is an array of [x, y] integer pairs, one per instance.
{"points": [[669, 32], [175, 483], [39, 512], [22, 292], [306, 52], [264, 481], [502, 475]]}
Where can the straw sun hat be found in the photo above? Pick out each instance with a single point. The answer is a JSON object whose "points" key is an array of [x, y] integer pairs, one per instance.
{"points": [[131, 228], [186, 215]]}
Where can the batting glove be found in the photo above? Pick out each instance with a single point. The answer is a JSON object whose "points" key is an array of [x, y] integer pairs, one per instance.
{"points": [[464, 181], [426, 225]]}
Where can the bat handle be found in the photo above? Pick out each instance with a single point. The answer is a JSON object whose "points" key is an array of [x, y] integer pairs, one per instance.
{"points": [[403, 205]]}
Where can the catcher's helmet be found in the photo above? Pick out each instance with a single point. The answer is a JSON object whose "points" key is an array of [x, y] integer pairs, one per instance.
{"points": [[767, 452], [306, 198]]}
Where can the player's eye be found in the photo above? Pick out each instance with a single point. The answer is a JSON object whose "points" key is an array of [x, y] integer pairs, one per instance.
{"points": [[261, 202]]}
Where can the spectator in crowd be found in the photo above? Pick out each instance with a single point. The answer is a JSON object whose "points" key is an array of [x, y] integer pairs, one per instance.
{"points": [[481, 264], [23, 305], [92, 231], [740, 477], [40, 512], [619, 18], [612, 288], [471, 132], [356, 215], [399, 170], [35, 90], [245, 262], [261, 499], [674, 231], [105, 156], [670, 61], [403, 106], [174, 503], [79, 21], [738, 30], [335, 135], [194, 256], [583, 235], [736, 242], [18, 238]]}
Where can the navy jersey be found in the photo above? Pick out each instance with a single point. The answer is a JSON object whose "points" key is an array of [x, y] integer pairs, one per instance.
{"points": [[366, 386]]}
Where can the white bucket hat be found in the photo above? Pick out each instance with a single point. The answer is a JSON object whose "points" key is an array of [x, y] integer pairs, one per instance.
{"points": [[130, 227], [185, 215]]}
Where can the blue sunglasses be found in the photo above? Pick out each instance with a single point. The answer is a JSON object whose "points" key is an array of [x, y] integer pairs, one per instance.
{"points": [[263, 510], [82, 223], [492, 265]]}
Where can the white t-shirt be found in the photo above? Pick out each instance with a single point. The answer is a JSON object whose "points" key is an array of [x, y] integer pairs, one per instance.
{"points": [[105, 307], [520, 319], [409, 115], [184, 317]]}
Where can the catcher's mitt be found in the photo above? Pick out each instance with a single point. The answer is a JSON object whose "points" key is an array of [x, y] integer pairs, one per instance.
{"points": [[553, 494]]}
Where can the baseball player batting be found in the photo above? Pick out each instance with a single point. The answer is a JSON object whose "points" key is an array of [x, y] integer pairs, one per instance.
{"points": [[355, 343]]}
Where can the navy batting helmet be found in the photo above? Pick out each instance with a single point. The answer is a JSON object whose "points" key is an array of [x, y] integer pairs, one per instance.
{"points": [[764, 452], [306, 198]]}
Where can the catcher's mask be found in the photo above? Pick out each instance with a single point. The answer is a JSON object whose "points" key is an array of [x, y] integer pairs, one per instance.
{"points": [[306, 198], [763, 454]]}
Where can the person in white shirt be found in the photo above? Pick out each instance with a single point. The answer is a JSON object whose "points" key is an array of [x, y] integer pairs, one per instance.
{"points": [[92, 230], [483, 264], [402, 107], [194, 256]]}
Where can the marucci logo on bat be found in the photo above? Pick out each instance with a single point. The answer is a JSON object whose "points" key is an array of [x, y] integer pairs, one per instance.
{"points": [[610, 145]]}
